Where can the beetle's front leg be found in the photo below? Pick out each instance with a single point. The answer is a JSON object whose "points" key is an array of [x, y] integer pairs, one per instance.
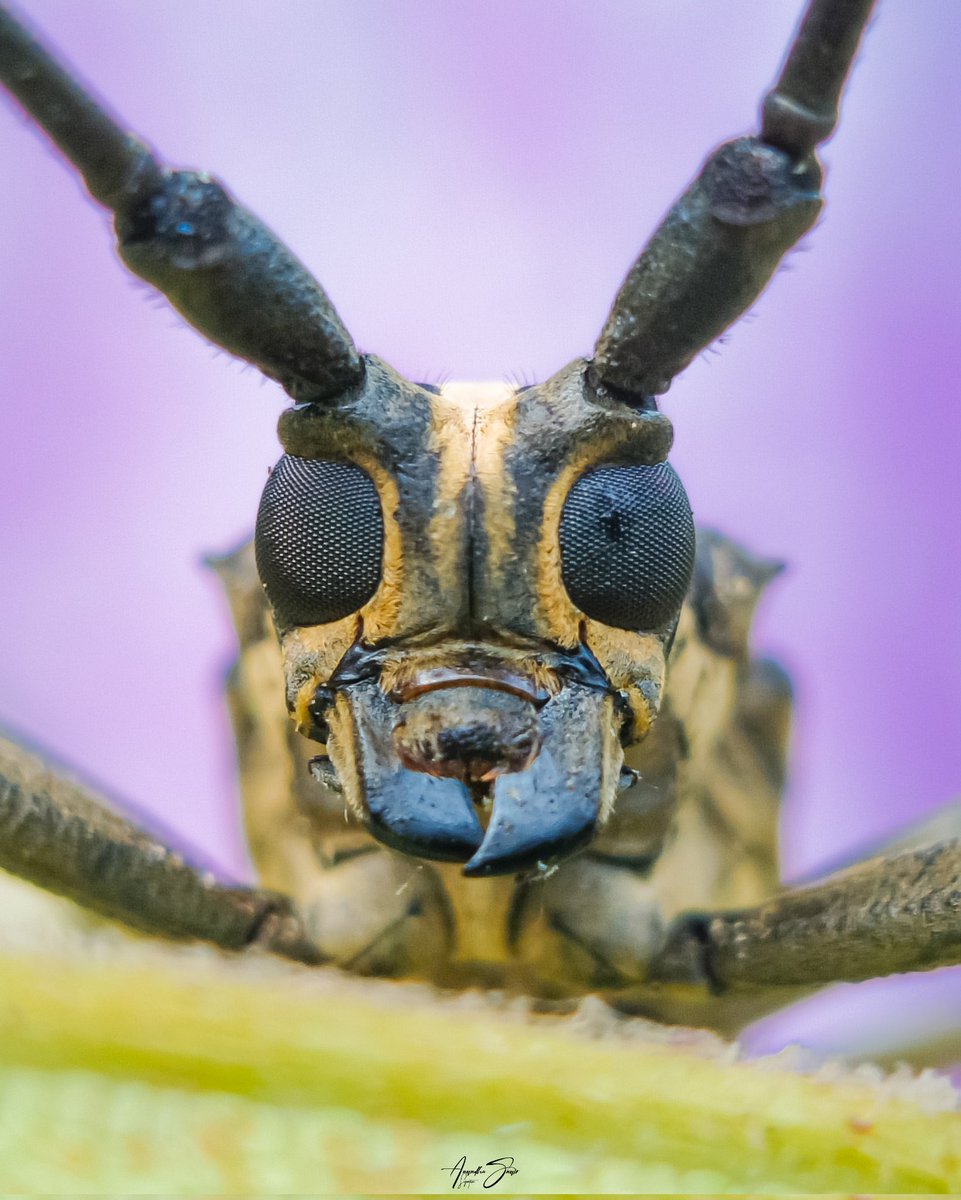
{"points": [[895, 913], [599, 926], [56, 834]]}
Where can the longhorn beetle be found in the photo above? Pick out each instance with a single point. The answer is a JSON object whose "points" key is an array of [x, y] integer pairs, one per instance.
{"points": [[563, 881]]}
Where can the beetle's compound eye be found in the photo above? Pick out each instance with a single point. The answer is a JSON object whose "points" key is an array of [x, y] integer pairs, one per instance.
{"points": [[627, 545], [319, 540]]}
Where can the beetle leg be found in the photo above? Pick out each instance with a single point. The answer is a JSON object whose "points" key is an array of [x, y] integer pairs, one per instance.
{"points": [[224, 271], [58, 835], [894, 913], [754, 198]]}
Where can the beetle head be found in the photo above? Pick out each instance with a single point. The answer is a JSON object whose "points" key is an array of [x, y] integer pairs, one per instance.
{"points": [[475, 590]]}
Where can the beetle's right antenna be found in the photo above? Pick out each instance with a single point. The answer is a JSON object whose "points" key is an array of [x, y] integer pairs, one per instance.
{"points": [[232, 279], [718, 247]]}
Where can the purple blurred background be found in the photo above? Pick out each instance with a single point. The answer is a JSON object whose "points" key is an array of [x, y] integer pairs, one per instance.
{"points": [[471, 181]]}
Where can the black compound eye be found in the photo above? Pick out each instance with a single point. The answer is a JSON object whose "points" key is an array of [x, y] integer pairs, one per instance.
{"points": [[627, 545], [319, 540]]}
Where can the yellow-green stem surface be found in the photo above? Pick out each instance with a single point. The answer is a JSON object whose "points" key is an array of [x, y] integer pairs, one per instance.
{"points": [[134, 1068]]}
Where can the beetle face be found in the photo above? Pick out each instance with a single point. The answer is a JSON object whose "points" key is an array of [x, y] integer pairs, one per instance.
{"points": [[475, 590]]}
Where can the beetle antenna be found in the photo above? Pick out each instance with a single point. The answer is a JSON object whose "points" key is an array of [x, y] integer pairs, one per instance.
{"points": [[801, 110], [216, 263], [720, 244]]}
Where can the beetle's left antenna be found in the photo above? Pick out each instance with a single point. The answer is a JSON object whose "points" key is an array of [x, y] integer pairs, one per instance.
{"points": [[718, 247], [220, 267]]}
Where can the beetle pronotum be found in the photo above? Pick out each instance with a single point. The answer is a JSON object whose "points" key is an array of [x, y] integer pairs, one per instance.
{"points": [[727, 402]]}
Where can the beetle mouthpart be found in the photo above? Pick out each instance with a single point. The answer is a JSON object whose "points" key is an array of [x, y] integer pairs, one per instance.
{"points": [[493, 679], [324, 771], [553, 809], [424, 815], [549, 806], [469, 733]]}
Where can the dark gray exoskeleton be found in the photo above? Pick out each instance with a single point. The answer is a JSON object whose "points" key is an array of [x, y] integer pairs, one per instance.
{"points": [[508, 658]]}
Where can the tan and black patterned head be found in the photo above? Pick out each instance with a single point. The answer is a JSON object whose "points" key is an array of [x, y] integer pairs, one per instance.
{"points": [[474, 592], [475, 589]]}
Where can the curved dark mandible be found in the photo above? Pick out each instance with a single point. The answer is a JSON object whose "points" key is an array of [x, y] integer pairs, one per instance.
{"points": [[719, 245], [224, 271]]}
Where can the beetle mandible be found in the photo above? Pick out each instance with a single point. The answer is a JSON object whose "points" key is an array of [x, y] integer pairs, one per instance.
{"points": [[716, 373]]}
